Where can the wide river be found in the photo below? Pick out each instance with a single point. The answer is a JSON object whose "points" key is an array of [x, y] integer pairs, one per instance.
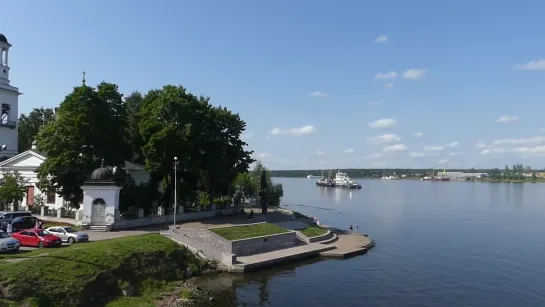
{"points": [[438, 244]]}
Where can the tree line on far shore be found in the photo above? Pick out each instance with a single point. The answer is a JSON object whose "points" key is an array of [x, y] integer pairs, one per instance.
{"points": [[95, 124], [516, 170]]}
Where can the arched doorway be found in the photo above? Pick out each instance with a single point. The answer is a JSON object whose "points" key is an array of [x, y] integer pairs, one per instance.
{"points": [[98, 212]]}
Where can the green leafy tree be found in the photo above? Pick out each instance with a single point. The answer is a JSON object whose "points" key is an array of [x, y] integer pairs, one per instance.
{"points": [[133, 104], [86, 130], [12, 190], [29, 125]]}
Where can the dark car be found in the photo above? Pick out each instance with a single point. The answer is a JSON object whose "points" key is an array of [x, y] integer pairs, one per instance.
{"points": [[7, 217], [23, 222]]}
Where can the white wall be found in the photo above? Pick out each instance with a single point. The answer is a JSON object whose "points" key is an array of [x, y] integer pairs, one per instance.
{"points": [[8, 135]]}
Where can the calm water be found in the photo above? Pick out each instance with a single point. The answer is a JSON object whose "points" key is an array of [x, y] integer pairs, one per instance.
{"points": [[438, 244]]}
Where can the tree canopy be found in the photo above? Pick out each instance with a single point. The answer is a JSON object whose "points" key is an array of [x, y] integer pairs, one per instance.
{"points": [[97, 124], [12, 189]]}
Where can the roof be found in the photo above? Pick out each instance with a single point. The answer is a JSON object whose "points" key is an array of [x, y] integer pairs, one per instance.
{"points": [[3, 38]]}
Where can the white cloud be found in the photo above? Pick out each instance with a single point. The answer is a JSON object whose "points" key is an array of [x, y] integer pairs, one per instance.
{"points": [[455, 153], [385, 138], [416, 154], [263, 155], [384, 123], [452, 144], [507, 119], [489, 151], [434, 148], [381, 39], [443, 161], [386, 75], [323, 162], [319, 153], [395, 148], [531, 141], [418, 134], [415, 74], [532, 65], [531, 151], [388, 85], [349, 150], [318, 94], [305, 130], [480, 144]]}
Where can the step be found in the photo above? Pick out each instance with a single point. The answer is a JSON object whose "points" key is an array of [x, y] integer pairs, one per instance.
{"points": [[99, 228], [330, 240]]}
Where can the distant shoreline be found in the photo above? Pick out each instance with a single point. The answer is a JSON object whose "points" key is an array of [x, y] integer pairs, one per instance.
{"points": [[526, 180]]}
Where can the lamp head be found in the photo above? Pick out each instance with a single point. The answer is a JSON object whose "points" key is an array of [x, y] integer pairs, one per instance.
{"points": [[175, 159]]}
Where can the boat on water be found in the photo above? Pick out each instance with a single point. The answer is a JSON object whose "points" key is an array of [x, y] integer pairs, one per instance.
{"points": [[390, 177], [439, 177], [343, 181]]}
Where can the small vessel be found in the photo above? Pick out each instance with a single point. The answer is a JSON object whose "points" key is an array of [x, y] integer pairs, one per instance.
{"points": [[390, 177]]}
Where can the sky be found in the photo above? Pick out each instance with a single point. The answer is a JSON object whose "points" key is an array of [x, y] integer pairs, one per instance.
{"points": [[320, 84]]}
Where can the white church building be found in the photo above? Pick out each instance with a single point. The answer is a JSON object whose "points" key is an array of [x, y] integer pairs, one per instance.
{"points": [[27, 162]]}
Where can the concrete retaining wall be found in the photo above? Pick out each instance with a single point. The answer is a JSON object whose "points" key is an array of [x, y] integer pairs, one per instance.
{"points": [[210, 244], [164, 219], [252, 246]]}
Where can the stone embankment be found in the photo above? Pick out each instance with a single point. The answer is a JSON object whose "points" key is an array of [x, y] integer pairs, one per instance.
{"points": [[334, 243]]}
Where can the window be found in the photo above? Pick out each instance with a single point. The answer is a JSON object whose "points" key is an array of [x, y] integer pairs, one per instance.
{"points": [[5, 113], [51, 195], [7, 216], [99, 201]]}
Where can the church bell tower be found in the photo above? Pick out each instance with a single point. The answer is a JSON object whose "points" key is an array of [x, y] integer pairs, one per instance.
{"points": [[9, 103]]}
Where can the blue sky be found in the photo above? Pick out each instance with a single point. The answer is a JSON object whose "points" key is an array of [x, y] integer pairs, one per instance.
{"points": [[311, 77]]}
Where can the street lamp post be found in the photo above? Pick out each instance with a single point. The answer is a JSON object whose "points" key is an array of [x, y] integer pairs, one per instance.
{"points": [[175, 190]]}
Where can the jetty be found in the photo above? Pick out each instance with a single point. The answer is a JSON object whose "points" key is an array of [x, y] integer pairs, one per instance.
{"points": [[242, 244]]}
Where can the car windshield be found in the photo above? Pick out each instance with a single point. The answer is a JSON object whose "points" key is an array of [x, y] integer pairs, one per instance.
{"points": [[70, 229], [42, 233], [4, 235]]}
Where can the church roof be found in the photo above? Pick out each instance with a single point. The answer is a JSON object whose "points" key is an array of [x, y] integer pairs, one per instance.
{"points": [[3, 38]]}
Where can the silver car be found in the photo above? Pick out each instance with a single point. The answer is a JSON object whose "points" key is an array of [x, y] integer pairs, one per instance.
{"points": [[7, 243], [68, 234]]}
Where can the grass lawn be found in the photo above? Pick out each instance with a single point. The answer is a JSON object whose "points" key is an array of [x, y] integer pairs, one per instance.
{"points": [[54, 224], [93, 273], [248, 231], [314, 231]]}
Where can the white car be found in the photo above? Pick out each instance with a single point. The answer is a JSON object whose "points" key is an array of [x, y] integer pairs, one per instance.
{"points": [[7, 243], [68, 234]]}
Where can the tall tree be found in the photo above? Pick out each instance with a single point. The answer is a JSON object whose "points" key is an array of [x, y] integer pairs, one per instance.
{"points": [[86, 130], [29, 126], [133, 104], [12, 190]]}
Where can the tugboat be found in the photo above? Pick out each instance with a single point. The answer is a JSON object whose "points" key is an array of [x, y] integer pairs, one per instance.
{"points": [[325, 181]]}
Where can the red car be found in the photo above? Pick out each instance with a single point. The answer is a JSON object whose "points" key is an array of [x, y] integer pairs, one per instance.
{"points": [[37, 238]]}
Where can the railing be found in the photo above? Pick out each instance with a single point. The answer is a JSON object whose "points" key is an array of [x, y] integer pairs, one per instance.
{"points": [[8, 123]]}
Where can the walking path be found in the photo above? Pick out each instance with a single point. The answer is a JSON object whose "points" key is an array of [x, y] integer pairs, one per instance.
{"points": [[348, 245], [259, 261]]}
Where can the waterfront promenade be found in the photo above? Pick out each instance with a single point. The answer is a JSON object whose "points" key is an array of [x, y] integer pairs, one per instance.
{"points": [[334, 242]]}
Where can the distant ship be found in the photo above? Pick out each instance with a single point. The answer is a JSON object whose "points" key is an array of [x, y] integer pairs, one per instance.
{"points": [[441, 177]]}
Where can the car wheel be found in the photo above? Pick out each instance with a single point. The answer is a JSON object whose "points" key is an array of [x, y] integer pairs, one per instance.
{"points": [[71, 240], [41, 245]]}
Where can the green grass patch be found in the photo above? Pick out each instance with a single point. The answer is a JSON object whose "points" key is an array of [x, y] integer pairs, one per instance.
{"points": [[94, 273], [148, 294], [187, 294], [314, 231], [248, 231], [54, 224]]}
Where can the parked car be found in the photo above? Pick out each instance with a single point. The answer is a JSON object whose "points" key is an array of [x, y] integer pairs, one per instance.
{"points": [[37, 238], [68, 234], [7, 243], [23, 222], [7, 216]]}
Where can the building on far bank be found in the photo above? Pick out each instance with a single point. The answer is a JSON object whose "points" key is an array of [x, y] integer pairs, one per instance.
{"points": [[464, 175], [9, 102]]}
